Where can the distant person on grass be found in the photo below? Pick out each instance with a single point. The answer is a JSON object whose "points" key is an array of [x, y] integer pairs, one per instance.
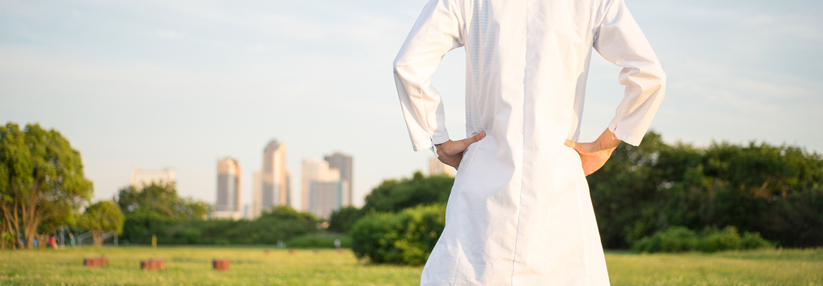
{"points": [[519, 212]]}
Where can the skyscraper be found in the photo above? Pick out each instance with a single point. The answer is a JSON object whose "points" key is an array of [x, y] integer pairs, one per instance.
{"points": [[343, 163], [438, 168], [288, 188], [140, 178], [321, 188], [274, 179], [325, 197], [227, 204], [257, 194]]}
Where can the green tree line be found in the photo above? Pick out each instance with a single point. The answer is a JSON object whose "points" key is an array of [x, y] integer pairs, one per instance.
{"points": [[157, 210], [654, 197], [776, 191]]}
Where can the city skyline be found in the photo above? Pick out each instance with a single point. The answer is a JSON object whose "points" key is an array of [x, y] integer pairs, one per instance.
{"points": [[324, 187]]}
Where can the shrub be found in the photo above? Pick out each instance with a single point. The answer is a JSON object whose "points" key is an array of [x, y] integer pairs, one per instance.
{"points": [[678, 239], [280, 223], [714, 240], [674, 239], [405, 238], [776, 191], [341, 220], [752, 240]]}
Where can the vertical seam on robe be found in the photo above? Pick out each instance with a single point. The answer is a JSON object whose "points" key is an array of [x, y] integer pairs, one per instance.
{"points": [[522, 141]]}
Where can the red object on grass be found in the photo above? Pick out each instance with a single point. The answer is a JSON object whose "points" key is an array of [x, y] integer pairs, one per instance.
{"points": [[220, 264], [153, 264], [95, 261]]}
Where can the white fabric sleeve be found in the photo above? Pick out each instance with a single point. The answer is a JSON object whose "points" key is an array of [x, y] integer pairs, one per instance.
{"points": [[436, 32], [619, 40]]}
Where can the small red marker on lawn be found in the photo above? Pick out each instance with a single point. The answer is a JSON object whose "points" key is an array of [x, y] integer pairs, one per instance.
{"points": [[220, 264], [95, 261], [153, 264]]}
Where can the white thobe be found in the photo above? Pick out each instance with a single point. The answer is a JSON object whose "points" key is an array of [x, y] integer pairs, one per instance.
{"points": [[519, 212]]}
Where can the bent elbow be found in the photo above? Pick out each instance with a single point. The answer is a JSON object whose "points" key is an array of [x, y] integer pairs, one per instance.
{"points": [[397, 63]]}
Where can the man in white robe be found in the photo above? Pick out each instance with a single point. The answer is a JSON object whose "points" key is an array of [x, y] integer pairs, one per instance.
{"points": [[520, 211]]}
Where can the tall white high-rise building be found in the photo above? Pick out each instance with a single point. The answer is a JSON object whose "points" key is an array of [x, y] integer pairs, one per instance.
{"points": [[438, 168], [272, 186], [321, 188], [141, 178], [227, 204], [343, 163]]}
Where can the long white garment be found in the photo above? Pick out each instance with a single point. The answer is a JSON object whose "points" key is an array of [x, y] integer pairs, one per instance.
{"points": [[520, 211]]}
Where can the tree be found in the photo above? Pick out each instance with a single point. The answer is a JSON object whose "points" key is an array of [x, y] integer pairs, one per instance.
{"points": [[341, 220], [776, 191], [154, 206], [160, 201], [393, 195], [102, 217], [41, 179]]}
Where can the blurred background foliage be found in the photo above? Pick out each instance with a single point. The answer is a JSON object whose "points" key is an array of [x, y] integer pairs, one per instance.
{"points": [[776, 191], [657, 197]]}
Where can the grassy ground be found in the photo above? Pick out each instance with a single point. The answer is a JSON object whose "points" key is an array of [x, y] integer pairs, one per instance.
{"points": [[759, 267], [251, 266]]}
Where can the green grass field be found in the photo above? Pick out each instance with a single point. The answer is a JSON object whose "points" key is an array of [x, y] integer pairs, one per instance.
{"points": [[251, 266]]}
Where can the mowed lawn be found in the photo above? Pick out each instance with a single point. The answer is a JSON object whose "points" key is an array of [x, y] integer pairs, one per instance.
{"points": [[252, 266]]}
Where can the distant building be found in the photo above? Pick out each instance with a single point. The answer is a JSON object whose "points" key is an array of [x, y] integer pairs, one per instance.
{"points": [[227, 205], [288, 189], [275, 175], [272, 184], [325, 197], [438, 168], [257, 195], [141, 178], [321, 188], [343, 163]]}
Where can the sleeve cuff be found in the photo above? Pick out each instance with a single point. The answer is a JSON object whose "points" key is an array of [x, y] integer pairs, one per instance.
{"points": [[628, 137], [428, 143]]}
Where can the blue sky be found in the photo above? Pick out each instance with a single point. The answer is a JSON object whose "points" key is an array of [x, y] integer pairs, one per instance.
{"points": [[154, 84]]}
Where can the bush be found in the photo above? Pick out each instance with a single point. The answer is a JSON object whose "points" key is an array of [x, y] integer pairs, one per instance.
{"points": [[679, 239], [278, 224], [752, 240], [714, 240], [405, 238], [776, 191], [394, 195], [674, 239], [341, 220]]}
